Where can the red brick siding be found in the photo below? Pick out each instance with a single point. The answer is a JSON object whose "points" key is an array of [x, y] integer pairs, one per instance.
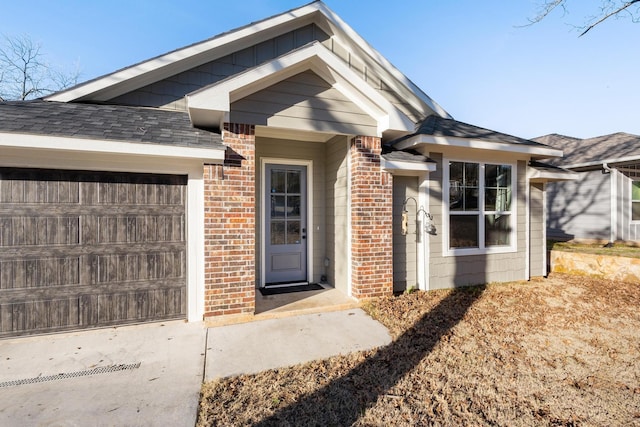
{"points": [[229, 215], [371, 220]]}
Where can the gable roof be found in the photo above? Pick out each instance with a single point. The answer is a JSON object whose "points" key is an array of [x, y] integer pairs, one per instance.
{"points": [[164, 66], [612, 148], [446, 131], [105, 123], [210, 105]]}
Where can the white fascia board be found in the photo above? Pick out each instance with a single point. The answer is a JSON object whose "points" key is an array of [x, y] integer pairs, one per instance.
{"points": [[548, 176], [601, 162], [85, 145], [395, 166], [339, 27], [315, 57], [251, 33], [418, 140]]}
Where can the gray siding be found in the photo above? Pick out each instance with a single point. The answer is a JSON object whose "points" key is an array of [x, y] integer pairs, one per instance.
{"points": [[581, 208], [404, 247], [282, 148], [537, 248], [169, 93], [452, 271], [305, 102], [337, 219]]}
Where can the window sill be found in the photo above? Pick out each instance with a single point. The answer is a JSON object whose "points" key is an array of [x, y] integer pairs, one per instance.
{"points": [[478, 251]]}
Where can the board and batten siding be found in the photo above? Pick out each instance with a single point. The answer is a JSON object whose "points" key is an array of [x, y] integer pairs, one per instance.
{"points": [[296, 150], [337, 212], [405, 246], [581, 208], [303, 102], [85, 249], [170, 93], [451, 271]]}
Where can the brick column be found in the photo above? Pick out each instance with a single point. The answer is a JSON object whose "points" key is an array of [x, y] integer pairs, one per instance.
{"points": [[230, 227], [371, 220]]}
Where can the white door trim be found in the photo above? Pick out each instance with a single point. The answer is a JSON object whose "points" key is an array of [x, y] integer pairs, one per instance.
{"points": [[296, 162]]}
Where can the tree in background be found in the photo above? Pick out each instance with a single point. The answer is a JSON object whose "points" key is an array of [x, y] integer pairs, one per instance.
{"points": [[24, 74], [607, 9]]}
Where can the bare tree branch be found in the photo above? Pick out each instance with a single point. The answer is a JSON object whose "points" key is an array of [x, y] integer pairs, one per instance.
{"points": [[623, 7], [25, 74], [608, 9]]}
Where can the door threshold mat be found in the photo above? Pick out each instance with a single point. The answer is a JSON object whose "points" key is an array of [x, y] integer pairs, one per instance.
{"points": [[290, 289]]}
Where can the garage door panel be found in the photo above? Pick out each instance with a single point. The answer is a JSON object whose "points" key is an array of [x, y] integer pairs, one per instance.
{"points": [[41, 316], [40, 231], [39, 272], [136, 267], [85, 249]]}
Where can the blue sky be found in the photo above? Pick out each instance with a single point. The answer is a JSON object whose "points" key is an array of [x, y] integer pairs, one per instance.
{"points": [[469, 55]]}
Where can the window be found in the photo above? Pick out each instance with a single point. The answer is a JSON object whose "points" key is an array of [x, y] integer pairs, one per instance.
{"points": [[480, 205], [635, 200]]}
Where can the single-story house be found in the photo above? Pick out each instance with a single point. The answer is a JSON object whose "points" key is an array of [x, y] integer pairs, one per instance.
{"points": [[603, 204], [286, 151]]}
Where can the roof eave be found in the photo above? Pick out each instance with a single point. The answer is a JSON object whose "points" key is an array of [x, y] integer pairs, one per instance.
{"points": [[538, 152], [98, 146]]}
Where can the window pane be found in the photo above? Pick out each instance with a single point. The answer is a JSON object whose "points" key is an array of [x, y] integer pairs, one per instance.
{"points": [[471, 174], [497, 230], [497, 199], [635, 190], [277, 232], [471, 199], [293, 206], [277, 181], [293, 232], [293, 182], [456, 177], [635, 211], [463, 231], [277, 206]]}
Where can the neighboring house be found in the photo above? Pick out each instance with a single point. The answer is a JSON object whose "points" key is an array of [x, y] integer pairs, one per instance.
{"points": [[285, 151], [603, 204]]}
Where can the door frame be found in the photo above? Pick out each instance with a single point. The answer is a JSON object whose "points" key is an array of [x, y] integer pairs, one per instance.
{"points": [[309, 206]]}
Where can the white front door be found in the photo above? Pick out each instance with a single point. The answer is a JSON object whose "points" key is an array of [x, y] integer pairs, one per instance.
{"points": [[285, 224]]}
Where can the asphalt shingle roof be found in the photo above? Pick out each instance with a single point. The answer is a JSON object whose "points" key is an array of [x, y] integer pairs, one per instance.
{"points": [[105, 122], [440, 126], [598, 150], [410, 156]]}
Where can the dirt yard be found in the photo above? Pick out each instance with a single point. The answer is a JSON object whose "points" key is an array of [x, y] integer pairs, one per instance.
{"points": [[559, 351]]}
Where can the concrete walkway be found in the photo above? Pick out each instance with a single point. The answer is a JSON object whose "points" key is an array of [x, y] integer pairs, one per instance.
{"points": [[148, 375], [253, 347]]}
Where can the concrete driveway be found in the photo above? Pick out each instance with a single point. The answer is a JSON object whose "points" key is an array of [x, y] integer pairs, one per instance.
{"points": [[148, 375], [140, 375]]}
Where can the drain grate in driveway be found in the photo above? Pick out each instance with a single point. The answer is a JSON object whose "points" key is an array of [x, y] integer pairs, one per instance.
{"points": [[86, 372]]}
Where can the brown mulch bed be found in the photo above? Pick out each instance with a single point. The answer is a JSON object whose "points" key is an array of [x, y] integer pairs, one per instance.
{"points": [[559, 351]]}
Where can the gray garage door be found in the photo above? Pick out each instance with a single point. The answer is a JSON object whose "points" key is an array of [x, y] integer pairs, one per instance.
{"points": [[83, 249]]}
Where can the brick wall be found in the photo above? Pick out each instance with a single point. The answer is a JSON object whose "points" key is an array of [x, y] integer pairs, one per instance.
{"points": [[371, 220], [229, 200]]}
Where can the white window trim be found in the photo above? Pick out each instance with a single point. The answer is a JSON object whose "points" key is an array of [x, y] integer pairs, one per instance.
{"points": [[513, 246]]}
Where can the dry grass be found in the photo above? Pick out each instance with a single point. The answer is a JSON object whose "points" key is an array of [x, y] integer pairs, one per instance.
{"points": [[617, 249], [560, 351]]}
